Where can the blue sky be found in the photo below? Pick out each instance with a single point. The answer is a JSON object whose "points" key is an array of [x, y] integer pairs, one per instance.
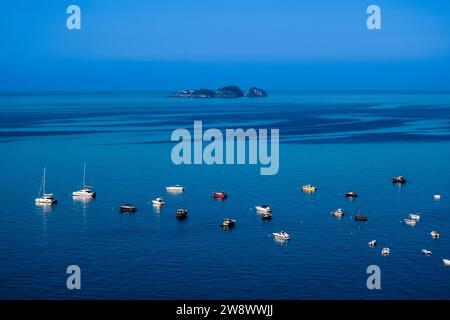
{"points": [[289, 44]]}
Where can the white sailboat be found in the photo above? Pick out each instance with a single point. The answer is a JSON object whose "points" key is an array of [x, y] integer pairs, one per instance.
{"points": [[86, 192], [45, 198]]}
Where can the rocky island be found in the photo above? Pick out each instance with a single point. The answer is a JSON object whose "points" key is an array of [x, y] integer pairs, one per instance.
{"points": [[256, 93], [225, 92]]}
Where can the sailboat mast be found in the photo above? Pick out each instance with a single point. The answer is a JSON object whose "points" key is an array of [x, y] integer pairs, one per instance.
{"points": [[84, 175], [43, 184]]}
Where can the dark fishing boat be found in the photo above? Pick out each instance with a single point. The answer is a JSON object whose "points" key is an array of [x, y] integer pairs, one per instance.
{"points": [[360, 217], [128, 208], [351, 194], [266, 216], [399, 179], [228, 223], [181, 213]]}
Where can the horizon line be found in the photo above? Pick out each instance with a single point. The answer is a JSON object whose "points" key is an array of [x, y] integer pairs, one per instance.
{"points": [[275, 91]]}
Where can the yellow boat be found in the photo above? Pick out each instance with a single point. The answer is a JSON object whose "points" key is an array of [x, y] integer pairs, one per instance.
{"points": [[309, 188]]}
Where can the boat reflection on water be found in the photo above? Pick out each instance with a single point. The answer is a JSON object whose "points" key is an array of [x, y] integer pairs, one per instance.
{"points": [[156, 208], [279, 241], [44, 207], [45, 211], [157, 204], [82, 202]]}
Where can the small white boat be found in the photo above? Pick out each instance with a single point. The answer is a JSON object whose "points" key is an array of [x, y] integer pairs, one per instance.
{"points": [[437, 197], [263, 208], [175, 188], [446, 262], [434, 234], [385, 251], [45, 198], [86, 192], [338, 212], [158, 201], [414, 216], [282, 235], [410, 222], [426, 252], [372, 243]]}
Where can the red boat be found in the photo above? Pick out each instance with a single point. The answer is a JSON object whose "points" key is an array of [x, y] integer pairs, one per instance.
{"points": [[220, 195], [360, 217]]}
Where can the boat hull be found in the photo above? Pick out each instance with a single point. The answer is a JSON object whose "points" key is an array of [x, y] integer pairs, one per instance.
{"points": [[411, 223], [45, 201], [220, 196], [83, 194], [175, 189], [263, 209]]}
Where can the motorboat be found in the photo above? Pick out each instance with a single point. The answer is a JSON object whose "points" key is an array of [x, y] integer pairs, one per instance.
{"points": [[426, 252], [175, 188], [86, 191], [414, 216], [282, 235], [181, 213], [309, 188], [338, 212], [360, 217], [399, 179], [437, 197], [263, 208], [351, 194], [127, 208], [228, 223], [266, 216], [158, 201], [220, 195], [434, 234], [446, 262], [410, 222], [385, 251], [372, 243], [43, 197]]}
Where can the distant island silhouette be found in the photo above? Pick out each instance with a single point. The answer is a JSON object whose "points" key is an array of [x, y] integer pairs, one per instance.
{"points": [[224, 92]]}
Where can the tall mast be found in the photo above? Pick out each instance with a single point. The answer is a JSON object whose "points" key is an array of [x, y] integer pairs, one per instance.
{"points": [[84, 176], [44, 180]]}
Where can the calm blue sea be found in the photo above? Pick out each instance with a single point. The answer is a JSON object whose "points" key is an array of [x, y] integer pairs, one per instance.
{"points": [[338, 142]]}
